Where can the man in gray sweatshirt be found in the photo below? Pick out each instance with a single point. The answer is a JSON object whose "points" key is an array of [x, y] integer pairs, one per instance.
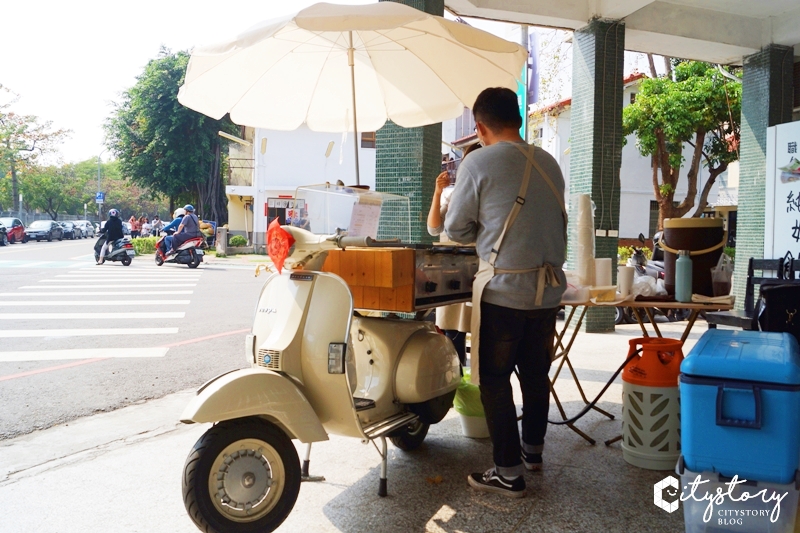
{"points": [[517, 309]]}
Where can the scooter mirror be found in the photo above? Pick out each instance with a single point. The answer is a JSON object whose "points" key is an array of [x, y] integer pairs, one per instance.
{"points": [[641, 238]]}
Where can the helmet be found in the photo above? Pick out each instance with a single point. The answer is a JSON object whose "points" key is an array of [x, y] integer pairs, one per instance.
{"points": [[113, 213], [178, 213], [189, 207]]}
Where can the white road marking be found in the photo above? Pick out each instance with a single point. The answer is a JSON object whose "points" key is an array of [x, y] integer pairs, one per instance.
{"points": [[17, 303], [76, 285], [37, 263], [80, 257], [111, 278], [22, 333], [98, 293], [97, 316], [92, 353]]}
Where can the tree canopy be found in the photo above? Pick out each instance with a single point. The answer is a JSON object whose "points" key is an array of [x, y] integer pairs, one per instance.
{"points": [[165, 147], [23, 139], [701, 107]]}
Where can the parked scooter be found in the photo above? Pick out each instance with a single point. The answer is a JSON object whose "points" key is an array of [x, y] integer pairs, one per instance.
{"points": [[655, 269], [189, 253], [317, 368], [121, 251]]}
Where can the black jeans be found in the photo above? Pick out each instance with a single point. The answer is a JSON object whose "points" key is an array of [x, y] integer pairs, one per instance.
{"points": [[512, 338]]}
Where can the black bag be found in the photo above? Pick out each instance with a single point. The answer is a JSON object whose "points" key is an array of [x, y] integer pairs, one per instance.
{"points": [[778, 308]]}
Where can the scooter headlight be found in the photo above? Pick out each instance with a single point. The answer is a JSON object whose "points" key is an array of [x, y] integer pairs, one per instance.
{"points": [[336, 357]]}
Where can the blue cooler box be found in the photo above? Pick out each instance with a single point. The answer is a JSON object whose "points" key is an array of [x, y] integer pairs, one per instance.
{"points": [[740, 405]]}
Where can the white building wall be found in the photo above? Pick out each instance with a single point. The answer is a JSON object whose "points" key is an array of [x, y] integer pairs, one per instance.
{"points": [[295, 158]]}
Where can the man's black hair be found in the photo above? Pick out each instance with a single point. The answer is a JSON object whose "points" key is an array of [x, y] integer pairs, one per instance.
{"points": [[497, 108]]}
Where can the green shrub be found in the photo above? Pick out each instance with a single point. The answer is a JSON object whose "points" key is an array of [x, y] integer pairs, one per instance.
{"points": [[625, 253], [144, 245], [237, 240], [730, 251]]}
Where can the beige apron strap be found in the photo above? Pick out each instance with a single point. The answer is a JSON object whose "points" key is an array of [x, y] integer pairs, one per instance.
{"points": [[532, 161], [518, 203]]}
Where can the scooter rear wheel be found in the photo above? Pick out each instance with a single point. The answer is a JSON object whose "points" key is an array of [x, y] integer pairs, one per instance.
{"points": [[241, 476], [411, 436], [126, 261]]}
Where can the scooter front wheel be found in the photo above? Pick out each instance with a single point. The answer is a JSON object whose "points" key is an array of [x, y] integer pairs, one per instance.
{"points": [[241, 476], [159, 259]]}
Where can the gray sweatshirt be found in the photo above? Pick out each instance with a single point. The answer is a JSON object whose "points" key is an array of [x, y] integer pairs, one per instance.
{"points": [[486, 187]]}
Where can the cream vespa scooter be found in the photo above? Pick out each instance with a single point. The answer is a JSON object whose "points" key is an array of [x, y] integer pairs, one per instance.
{"points": [[318, 368]]}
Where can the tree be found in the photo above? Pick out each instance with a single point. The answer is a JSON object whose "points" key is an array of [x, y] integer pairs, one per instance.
{"points": [[22, 140], [701, 108], [53, 189], [165, 147]]}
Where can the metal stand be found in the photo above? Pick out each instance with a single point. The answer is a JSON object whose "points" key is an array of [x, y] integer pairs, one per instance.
{"points": [[384, 467], [304, 475], [564, 355]]}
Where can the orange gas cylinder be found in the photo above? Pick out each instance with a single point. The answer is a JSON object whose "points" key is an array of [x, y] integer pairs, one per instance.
{"points": [[651, 404]]}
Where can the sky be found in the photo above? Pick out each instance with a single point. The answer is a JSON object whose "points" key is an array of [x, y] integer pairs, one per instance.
{"points": [[70, 60]]}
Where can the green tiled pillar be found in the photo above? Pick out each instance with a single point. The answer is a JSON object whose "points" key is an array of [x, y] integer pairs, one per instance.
{"points": [[409, 159], [596, 141], [766, 101]]}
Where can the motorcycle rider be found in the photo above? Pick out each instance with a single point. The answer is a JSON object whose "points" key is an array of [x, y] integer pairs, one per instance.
{"points": [[112, 231], [189, 228], [170, 228]]}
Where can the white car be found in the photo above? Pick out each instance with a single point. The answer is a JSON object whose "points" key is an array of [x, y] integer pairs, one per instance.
{"points": [[86, 227]]}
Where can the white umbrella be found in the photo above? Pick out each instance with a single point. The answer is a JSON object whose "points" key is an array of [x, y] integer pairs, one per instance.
{"points": [[393, 61]]}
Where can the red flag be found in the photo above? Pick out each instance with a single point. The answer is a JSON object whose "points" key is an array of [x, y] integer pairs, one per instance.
{"points": [[278, 243]]}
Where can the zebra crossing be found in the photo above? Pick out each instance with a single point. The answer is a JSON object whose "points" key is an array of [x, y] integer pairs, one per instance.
{"points": [[51, 319]]}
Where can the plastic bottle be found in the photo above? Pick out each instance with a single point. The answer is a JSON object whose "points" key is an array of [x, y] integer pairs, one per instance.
{"points": [[683, 277]]}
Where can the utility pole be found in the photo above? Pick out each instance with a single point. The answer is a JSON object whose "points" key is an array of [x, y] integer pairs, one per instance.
{"points": [[99, 204]]}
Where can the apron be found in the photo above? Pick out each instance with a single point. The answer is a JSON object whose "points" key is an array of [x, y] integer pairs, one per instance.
{"points": [[487, 271]]}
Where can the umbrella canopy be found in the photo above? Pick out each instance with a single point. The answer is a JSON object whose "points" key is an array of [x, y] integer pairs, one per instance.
{"points": [[390, 60]]}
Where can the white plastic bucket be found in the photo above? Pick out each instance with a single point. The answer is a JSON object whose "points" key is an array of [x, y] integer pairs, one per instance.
{"points": [[474, 427]]}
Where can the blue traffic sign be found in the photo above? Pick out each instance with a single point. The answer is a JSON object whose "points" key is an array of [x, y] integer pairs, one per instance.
{"points": [[99, 197]]}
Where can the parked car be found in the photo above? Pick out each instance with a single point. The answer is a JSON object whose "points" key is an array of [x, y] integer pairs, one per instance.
{"points": [[86, 227], [45, 230], [71, 231], [15, 229], [3, 235]]}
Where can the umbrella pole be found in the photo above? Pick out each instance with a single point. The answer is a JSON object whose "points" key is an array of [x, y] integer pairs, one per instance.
{"points": [[351, 61]]}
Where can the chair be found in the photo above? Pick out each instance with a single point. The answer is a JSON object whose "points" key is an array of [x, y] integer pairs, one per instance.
{"points": [[778, 309]]}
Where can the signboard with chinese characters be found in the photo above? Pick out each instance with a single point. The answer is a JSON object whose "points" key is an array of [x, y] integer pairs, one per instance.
{"points": [[782, 205]]}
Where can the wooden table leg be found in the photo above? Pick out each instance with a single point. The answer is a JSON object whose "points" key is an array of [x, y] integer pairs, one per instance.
{"points": [[650, 316], [586, 437], [639, 320], [692, 318]]}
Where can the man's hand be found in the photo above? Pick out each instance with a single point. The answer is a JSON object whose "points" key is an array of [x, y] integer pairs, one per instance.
{"points": [[442, 181]]}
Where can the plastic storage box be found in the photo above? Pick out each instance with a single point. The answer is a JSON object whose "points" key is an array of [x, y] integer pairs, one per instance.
{"points": [[736, 512], [740, 405]]}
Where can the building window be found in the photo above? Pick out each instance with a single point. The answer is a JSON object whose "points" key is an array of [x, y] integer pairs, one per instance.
{"points": [[633, 98], [368, 139], [537, 136], [653, 218]]}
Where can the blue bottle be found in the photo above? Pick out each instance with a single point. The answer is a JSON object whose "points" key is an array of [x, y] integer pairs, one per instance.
{"points": [[683, 277]]}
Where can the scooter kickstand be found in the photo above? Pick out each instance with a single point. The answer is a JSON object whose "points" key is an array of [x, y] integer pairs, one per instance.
{"points": [[384, 464], [304, 476]]}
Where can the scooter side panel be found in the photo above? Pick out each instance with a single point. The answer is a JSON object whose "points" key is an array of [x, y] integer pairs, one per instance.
{"points": [[428, 368], [256, 392]]}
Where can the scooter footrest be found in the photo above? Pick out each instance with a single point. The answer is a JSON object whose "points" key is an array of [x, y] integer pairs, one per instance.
{"points": [[362, 404], [382, 428]]}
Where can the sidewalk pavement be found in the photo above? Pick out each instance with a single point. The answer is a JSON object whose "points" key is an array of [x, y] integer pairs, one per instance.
{"points": [[120, 472]]}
